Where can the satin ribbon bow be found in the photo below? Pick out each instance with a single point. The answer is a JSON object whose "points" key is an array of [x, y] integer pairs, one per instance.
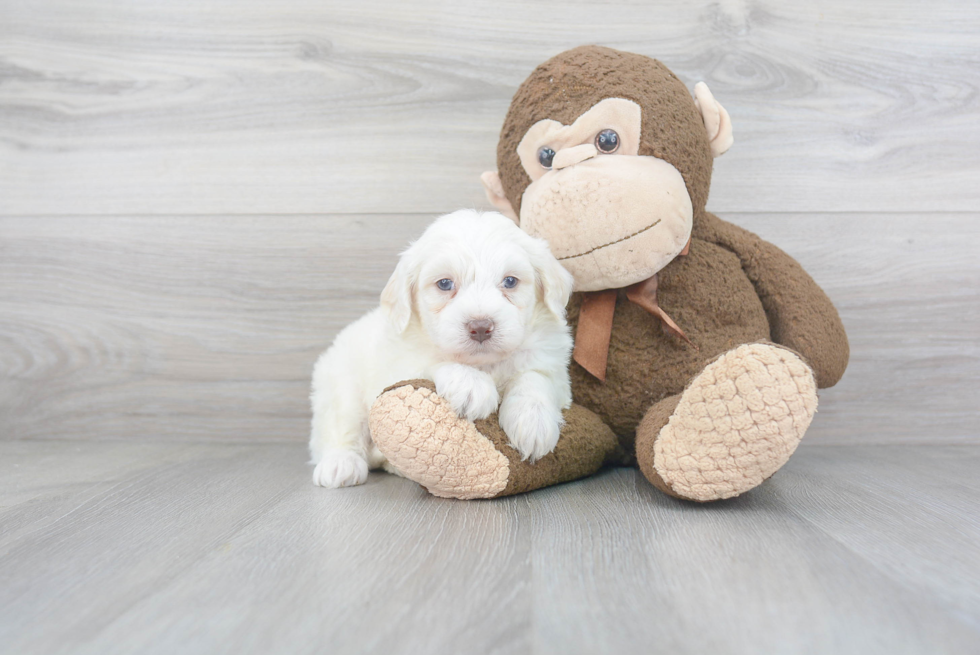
{"points": [[595, 321]]}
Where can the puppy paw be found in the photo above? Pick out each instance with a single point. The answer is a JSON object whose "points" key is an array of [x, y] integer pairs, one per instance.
{"points": [[340, 468], [531, 424], [471, 392]]}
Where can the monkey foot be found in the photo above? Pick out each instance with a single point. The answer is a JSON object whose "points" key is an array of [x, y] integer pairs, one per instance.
{"points": [[426, 441], [421, 435], [735, 425]]}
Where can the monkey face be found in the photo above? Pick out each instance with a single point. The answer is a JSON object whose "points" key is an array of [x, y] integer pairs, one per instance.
{"points": [[611, 216], [606, 156]]}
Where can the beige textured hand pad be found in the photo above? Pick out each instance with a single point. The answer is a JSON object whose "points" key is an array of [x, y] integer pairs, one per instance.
{"points": [[737, 423], [421, 435]]}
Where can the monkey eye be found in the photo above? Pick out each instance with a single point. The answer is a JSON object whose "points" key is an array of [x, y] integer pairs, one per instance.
{"points": [[545, 156], [509, 282], [445, 284], [607, 141]]}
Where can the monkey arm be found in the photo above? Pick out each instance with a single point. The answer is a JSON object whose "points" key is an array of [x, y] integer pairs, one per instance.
{"points": [[800, 314]]}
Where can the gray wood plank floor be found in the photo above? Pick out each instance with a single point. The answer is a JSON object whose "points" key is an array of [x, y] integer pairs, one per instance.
{"points": [[161, 547]]}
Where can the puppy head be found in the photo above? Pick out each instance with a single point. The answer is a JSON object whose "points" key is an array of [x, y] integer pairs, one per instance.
{"points": [[476, 283]]}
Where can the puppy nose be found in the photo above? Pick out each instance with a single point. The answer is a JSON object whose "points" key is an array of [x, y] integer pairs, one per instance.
{"points": [[480, 329]]}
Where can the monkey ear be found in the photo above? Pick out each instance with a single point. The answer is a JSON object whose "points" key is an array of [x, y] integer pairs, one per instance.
{"points": [[496, 195], [716, 119], [397, 296]]}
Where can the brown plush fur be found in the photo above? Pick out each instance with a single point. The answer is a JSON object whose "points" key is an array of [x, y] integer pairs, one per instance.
{"points": [[584, 446], [646, 363], [646, 435], [732, 288]]}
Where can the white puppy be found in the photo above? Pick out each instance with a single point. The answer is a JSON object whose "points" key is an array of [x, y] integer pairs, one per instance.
{"points": [[475, 305]]}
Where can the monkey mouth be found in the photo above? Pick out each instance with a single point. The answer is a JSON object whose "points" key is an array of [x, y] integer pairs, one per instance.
{"points": [[612, 243]]}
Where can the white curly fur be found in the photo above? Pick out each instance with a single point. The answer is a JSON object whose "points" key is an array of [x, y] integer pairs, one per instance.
{"points": [[420, 331]]}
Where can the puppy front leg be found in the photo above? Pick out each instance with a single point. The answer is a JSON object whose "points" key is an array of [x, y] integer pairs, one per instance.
{"points": [[340, 468], [339, 438], [470, 391], [338, 450], [530, 415]]}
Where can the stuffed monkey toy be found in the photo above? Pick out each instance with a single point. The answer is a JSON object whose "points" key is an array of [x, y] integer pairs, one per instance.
{"points": [[699, 347]]}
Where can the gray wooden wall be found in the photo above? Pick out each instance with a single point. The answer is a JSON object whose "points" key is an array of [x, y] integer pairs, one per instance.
{"points": [[196, 196]]}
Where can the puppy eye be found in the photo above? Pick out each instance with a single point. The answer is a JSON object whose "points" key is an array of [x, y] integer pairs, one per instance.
{"points": [[607, 141], [545, 156], [509, 282], [445, 284]]}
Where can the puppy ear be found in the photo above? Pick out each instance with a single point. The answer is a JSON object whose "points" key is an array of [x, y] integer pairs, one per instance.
{"points": [[397, 296], [717, 123], [554, 282]]}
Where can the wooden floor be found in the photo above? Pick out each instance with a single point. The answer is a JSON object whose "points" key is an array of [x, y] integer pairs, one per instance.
{"points": [[162, 547]]}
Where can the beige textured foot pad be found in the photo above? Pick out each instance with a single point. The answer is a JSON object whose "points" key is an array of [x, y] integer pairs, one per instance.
{"points": [[737, 423], [420, 435]]}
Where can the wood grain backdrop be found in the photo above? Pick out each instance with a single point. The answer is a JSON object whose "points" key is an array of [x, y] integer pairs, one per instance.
{"points": [[196, 196]]}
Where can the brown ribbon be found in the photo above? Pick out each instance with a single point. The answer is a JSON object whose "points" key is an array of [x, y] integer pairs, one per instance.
{"points": [[644, 294], [595, 321]]}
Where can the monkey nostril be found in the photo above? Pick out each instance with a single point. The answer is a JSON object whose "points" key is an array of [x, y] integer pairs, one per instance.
{"points": [[480, 329]]}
